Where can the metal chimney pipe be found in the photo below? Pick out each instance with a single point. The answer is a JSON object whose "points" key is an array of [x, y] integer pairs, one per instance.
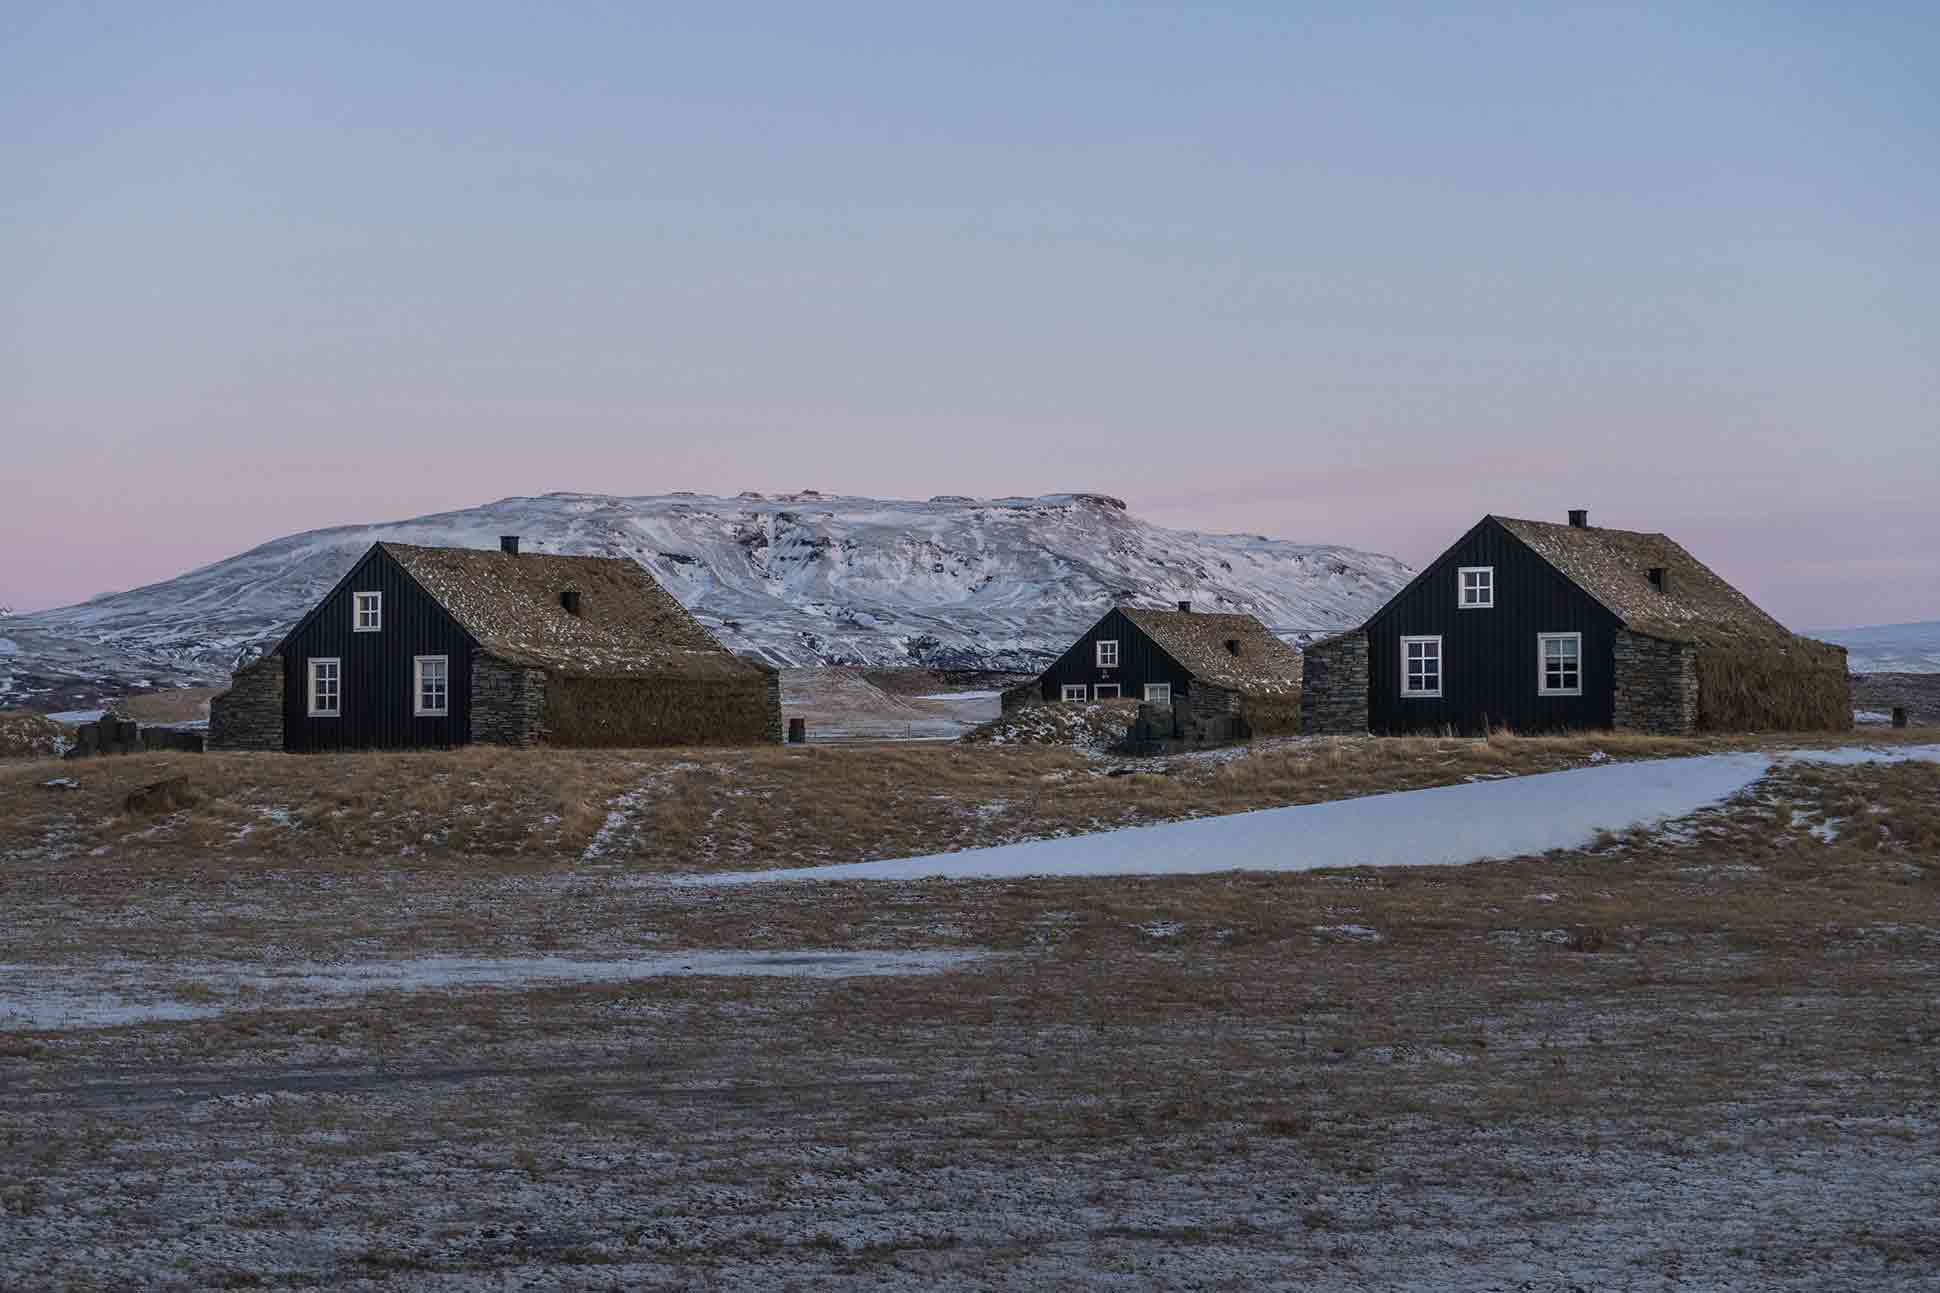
{"points": [[1579, 518], [509, 544], [1185, 608]]}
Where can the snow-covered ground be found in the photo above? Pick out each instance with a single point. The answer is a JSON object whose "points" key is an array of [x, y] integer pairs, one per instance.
{"points": [[116, 993], [798, 579], [1441, 826]]}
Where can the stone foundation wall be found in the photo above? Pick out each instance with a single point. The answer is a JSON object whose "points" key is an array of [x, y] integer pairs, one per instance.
{"points": [[1209, 715], [777, 730], [508, 703], [1656, 686], [249, 716], [1333, 694]]}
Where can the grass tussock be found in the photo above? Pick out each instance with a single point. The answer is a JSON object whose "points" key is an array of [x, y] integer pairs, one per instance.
{"points": [[31, 736]]}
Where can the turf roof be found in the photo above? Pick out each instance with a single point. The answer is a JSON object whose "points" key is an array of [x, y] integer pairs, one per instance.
{"points": [[627, 623]]}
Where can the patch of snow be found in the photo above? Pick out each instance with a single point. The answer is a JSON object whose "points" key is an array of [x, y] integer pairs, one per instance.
{"points": [[1161, 928], [9, 647], [1441, 826], [962, 695], [1358, 933], [77, 715], [1853, 755], [39, 997]]}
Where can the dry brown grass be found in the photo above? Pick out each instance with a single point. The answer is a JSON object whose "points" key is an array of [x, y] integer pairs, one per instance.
{"points": [[179, 705], [769, 806], [1187, 1067]]}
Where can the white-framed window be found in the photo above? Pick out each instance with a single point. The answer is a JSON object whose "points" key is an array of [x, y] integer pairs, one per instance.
{"points": [[1108, 654], [370, 612], [1158, 693], [1105, 691], [431, 679], [326, 687], [1072, 691], [1559, 664], [1421, 666], [1475, 588]]}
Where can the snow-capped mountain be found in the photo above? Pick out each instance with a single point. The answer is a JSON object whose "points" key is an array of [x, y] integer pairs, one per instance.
{"points": [[1889, 648], [798, 579]]}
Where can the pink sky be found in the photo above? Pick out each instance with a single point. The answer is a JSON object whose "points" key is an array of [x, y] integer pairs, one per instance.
{"points": [[1248, 267]]}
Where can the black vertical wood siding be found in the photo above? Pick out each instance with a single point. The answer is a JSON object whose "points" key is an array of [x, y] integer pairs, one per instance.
{"points": [[1489, 656], [378, 674], [1140, 660]]}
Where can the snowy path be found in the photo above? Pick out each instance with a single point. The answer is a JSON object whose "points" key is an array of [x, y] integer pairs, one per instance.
{"points": [[1442, 826]]}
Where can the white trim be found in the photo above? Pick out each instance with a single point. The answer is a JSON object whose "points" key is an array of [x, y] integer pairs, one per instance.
{"points": [[1113, 662], [336, 686], [1158, 693], [1486, 585], [376, 624], [1542, 664], [418, 708], [1422, 693], [1098, 691], [1068, 690]]}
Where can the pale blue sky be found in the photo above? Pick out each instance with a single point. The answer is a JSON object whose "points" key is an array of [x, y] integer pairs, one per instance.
{"points": [[1351, 273]]}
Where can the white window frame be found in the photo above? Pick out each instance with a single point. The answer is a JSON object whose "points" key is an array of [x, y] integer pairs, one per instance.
{"points": [[1112, 662], [376, 624], [1073, 691], [1542, 664], [1440, 664], [1461, 588], [418, 708], [1098, 691], [311, 672], [1158, 693]]}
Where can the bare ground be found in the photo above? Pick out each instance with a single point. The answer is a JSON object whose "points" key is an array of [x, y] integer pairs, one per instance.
{"points": [[1702, 1057]]}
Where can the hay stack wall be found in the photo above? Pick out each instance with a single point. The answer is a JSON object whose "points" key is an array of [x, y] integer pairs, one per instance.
{"points": [[1798, 686]]}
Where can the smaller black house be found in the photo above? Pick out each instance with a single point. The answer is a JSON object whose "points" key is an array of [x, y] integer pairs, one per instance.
{"points": [[1225, 676], [420, 646], [1536, 626]]}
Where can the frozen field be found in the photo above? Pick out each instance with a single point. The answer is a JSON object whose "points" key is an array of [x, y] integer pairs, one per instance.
{"points": [[1700, 1054]]}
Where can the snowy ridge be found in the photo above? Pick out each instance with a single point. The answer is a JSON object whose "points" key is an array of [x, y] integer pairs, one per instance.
{"points": [[797, 579], [1889, 648]]}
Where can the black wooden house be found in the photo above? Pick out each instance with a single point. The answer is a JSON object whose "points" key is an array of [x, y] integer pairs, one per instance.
{"points": [[1228, 674], [421, 647], [1535, 626]]}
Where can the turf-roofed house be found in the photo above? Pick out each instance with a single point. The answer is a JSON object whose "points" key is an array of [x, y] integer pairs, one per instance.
{"points": [[419, 647], [1223, 677], [1535, 626]]}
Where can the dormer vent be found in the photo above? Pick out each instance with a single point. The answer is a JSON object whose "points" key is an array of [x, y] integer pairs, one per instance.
{"points": [[1579, 518], [1232, 646], [570, 600], [1660, 579], [509, 544], [1185, 608]]}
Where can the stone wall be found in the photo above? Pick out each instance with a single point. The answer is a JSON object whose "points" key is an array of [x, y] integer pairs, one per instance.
{"points": [[1333, 694], [508, 703], [249, 716], [1656, 686], [1209, 715], [777, 730]]}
